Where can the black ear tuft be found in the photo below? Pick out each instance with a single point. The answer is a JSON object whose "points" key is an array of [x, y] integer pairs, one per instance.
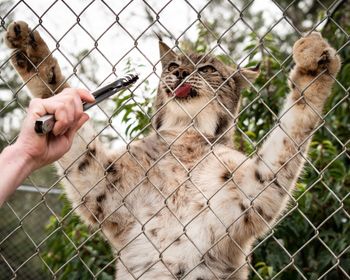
{"points": [[244, 77], [257, 67], [166, 54], [160, 38]]}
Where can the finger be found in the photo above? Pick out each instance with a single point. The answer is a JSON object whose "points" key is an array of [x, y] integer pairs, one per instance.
{"points": [[83, 119], [83, 94], [69, 102], [64, 131], [36, 108], [72, 131], [76, 100], [86, 95], [61, 117], [63, 108], [54, 104], [78, 107]]}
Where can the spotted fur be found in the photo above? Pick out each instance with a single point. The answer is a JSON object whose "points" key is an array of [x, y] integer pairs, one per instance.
{"points": [[182, 203]]}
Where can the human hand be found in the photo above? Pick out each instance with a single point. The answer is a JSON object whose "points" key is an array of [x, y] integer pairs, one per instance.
{"points": [[67, 107]]}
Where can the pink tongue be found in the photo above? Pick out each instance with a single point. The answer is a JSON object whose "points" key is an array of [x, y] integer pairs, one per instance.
{"points": [[183, 91]]}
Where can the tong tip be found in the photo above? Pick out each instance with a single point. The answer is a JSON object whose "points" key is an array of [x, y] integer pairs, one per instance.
{"points": [[130, 79]]}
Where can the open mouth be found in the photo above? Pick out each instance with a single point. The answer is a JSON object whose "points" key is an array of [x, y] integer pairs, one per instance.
{"points": [[184, 91]]}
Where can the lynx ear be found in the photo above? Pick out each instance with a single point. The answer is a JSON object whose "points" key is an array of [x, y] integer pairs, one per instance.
{"points": [[246, 76], [166, 54]]}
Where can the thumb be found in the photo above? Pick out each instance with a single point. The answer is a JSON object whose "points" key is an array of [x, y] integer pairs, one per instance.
{"points": [[86, 95]]}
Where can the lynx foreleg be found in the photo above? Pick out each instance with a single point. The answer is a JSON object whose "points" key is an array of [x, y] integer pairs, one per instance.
{"points": [[281, 157], [271, 175]]}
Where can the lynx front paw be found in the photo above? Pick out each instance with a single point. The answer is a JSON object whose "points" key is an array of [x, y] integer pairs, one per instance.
{"points": [[17, 35], [33, 60], [313, 55]]}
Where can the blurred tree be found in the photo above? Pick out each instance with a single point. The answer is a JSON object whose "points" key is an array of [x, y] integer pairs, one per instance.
{"points": [[312, 240]]}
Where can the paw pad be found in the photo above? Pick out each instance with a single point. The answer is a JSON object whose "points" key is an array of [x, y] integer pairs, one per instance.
{"points": [[313, 54], [17, 34], [17, 29], [324, 59]]}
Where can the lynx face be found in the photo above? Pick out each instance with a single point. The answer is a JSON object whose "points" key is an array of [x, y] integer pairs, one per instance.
{"points": [[196, 87], [197, 76], [193, 81]]}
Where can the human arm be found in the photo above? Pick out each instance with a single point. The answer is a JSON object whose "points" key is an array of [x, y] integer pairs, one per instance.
{"points": [[32, 151]]}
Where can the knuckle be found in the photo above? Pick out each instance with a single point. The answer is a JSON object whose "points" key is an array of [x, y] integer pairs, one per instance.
{"points": [[65, 91], [61, 106], [79, 109], [68, 98], [80, 115], [77, 99], [34, 102], [64, 122], [70, 118]]}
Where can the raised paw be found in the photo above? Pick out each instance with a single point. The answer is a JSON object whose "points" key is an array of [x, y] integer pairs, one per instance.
{"points": [[33, 60], [17, 35], [21, 37], [313, 54]]}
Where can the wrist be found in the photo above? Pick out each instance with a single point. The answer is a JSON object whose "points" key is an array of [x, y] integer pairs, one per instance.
{"points": [[15, 154], [15, 167]]}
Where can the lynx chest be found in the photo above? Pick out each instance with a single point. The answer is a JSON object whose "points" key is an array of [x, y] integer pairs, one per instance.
{"points": [[181, 205]]}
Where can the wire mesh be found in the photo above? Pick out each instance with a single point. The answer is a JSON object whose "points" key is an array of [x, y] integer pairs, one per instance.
{"points": [[40, 234]]}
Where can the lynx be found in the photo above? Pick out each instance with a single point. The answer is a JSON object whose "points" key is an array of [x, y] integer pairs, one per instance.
{"points": [[183, 203]]}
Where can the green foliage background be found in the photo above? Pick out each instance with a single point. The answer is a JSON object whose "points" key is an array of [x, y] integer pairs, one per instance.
{"points": [[312, 238]]}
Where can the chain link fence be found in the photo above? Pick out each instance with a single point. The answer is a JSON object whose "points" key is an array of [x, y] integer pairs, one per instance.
{"points": [[95, 41]]}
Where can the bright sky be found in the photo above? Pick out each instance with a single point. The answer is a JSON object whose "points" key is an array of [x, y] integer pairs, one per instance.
{"points": [[96, 17], [115, 41]]}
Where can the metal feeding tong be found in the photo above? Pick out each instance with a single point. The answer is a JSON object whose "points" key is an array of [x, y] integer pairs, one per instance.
{"points": [[46, 123]]}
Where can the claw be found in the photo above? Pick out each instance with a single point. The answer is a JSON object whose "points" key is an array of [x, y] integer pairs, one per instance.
{"points": [[20, 59], [324, 59], [17, 29]]}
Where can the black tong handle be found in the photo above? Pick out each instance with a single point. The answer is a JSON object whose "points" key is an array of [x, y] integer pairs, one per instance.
{"points": [[45, 124]]}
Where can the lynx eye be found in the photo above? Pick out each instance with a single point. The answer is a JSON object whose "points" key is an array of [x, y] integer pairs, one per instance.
{"points": [[207, 69], [172, 66]]}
